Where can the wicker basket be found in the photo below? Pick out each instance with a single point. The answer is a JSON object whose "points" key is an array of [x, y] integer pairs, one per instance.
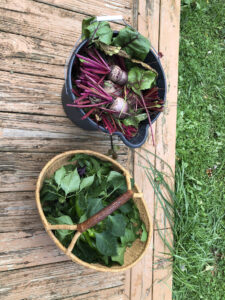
{"points": [[132, 254]]}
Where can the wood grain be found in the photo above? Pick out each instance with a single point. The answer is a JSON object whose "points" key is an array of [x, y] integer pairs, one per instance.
{"points": [[18, 53], [59, 281], [142, 273], [30, 94], [23, 249], [64, 28], [95, 7], [18, 212], [166, 138]]}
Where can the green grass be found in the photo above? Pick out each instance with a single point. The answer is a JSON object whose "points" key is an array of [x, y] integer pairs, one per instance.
{"points": [[199, 226]]}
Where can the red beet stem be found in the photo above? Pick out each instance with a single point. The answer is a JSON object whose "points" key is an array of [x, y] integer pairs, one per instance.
{"points": [[99, 90], [90, 66], [107, 124], [114, 124], [102, 60], [75, 92], [97, 71], [84, 102], [94, 76], [91, 61], [102, 79], [81, 98], [88, 113], [113, 111], [84, 106], [94, 91], [149, 119], [91, 54], [98, 86]]}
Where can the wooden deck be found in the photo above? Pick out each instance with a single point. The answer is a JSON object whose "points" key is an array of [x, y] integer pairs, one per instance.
{"points": [[36, 38]]}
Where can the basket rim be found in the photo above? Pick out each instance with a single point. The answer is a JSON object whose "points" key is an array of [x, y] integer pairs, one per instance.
{"points": [[74, 258]]}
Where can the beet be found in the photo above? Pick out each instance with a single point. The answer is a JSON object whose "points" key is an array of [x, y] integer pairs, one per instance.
{"points": [[117, 75], [112, 89], [120, 107]]}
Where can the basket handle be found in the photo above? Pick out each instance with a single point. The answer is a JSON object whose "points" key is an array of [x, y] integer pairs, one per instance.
{"points": [[105, 212]]}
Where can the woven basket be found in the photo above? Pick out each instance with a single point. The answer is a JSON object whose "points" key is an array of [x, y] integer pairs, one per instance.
{"points": [[134, 253]]}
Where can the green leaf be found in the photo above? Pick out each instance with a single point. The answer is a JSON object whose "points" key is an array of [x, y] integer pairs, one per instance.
{"points": [[144, 234], [94, 206], [140, 79], [117, 180], [59, 174], [62, 199], [135, 44], [60, 220], [126, 208], [135, 120], [116, 225], [120, 255], [103, 33], [86, 182], [48, 191], [80, 204], [83, 218], [71, 182], [85, 24], [128, 238], [61, 234], [48, 196], [106, 244]]}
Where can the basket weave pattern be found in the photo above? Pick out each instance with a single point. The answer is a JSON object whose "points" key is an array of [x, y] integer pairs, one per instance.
{"points": [[134, 253]]}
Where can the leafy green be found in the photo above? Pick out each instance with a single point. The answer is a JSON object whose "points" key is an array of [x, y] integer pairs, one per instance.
{"points": [[129, 237], [59, 174], [144, 234], [117, 180], [86, 182], [106, 244], [135, 44], [94, 206], [97, 30], [71, 182], [135, 120], [61, 234], [85, 24], [120, 255], [116, 225], [140, 79], [126, 208], [68, 199]]}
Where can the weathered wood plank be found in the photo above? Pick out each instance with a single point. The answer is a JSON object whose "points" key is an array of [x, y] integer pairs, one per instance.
{"points": [[33, 19], [95, 7], [142, 273], [18, 212], [166, 138], [110, 294], [19, 171], [59, 281], [30, 94], [28, 248], [18, 53]]}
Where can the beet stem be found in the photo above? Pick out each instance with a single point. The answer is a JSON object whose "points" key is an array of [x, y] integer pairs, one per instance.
{"points": [[149, 119], [91, 105]]}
